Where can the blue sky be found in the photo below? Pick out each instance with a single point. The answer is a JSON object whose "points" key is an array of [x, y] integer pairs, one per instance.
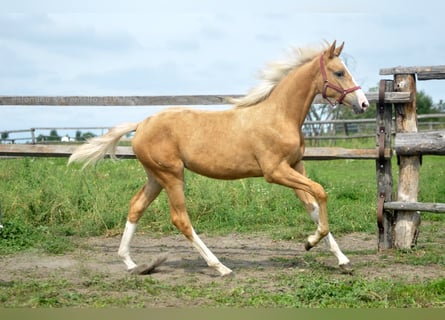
{"points": [[193, 47]]}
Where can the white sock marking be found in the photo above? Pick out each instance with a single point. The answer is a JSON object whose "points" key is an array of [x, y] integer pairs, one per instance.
{"points": [[124, 248]]}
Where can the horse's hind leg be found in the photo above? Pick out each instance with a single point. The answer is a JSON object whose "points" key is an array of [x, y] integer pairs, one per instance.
{"points": [[138, 204], [312, 208], [181, 220]]}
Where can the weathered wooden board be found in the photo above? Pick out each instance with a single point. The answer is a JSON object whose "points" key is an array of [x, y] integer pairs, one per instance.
{"points": [[418, 143], [415, 206], [407, 222], [390, 97], [116, 100], [60, 150], [430, 76], [423, 73], [384, 176], [342, 153], [51, 150]]}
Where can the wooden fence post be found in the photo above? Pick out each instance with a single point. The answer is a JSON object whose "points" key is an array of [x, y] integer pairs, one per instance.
{"points": [[385, 218], [33, 136], [407, 222]]}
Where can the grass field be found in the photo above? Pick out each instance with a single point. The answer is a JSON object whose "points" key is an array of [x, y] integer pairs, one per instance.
{"points": [[44, 196], [46, 205]]}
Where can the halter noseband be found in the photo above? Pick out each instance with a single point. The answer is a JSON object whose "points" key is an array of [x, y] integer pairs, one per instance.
{"points": [[327, 84]]}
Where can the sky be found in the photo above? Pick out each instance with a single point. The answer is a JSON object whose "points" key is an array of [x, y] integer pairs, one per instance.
{"points": [[176, 47]]}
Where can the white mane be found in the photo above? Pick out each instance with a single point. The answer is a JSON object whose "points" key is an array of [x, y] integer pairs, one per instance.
{"points": [[277, 70]]}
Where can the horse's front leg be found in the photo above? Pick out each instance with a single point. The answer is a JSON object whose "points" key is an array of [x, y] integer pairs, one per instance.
{"points": [[313, 209], [287, 176]]}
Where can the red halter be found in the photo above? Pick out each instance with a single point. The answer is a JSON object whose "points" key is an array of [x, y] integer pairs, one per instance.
{"points": [[327, 84]]}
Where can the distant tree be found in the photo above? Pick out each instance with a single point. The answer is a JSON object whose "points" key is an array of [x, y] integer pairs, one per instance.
{"points": [[53, 136], [88, 135], [440, 106], [5, 135], [317, 113], [78, 135], [84, 136], [424, 103]]}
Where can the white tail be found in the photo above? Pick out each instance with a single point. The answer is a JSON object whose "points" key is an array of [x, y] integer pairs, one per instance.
{"points": [[96, 148]]}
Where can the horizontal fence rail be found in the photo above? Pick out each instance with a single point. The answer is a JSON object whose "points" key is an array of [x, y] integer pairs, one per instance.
{"points": [[60, 150], [423, 73], [361, 128], [415, 206], [420, 143], [390, 97]]}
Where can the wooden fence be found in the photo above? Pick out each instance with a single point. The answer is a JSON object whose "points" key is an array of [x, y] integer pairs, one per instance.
{"points": [[314, 131], [125, 152], [398, 217], [392, 216]]}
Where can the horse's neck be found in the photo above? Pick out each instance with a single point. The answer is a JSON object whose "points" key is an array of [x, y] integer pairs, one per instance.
{"points": [[294, 95]]}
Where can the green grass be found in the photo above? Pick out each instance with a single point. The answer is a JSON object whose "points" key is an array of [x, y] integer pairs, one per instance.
{"points": [[297, 289], [45, 204], [42, 197]]}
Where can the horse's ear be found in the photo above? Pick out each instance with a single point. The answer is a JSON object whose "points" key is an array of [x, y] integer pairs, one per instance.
{"points": [[338, 50], [332, 49]]}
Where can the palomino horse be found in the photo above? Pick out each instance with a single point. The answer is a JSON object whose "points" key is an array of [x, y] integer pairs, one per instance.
{"points": [[260, 136]]}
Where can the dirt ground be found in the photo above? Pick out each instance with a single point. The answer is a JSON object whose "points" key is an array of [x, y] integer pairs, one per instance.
{"points": [[255, 256]]}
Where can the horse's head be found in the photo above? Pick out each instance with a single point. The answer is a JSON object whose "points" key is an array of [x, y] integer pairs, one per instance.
{"points": [[338, 85]]}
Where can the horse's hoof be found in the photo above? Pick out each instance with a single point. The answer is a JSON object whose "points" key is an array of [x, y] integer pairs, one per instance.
{"points": [[224, 271], [230, 274], [150, 267], [346, 268], [308, 246]]}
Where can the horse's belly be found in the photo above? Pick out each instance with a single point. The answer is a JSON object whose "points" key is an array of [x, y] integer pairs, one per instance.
{"points": [[231, 167]]}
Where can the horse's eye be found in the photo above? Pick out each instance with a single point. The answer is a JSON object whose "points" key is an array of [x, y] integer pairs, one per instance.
{"points": [[339, 74]]}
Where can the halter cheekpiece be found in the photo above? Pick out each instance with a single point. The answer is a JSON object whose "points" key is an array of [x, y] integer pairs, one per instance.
{"points": [[327, 84]]}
